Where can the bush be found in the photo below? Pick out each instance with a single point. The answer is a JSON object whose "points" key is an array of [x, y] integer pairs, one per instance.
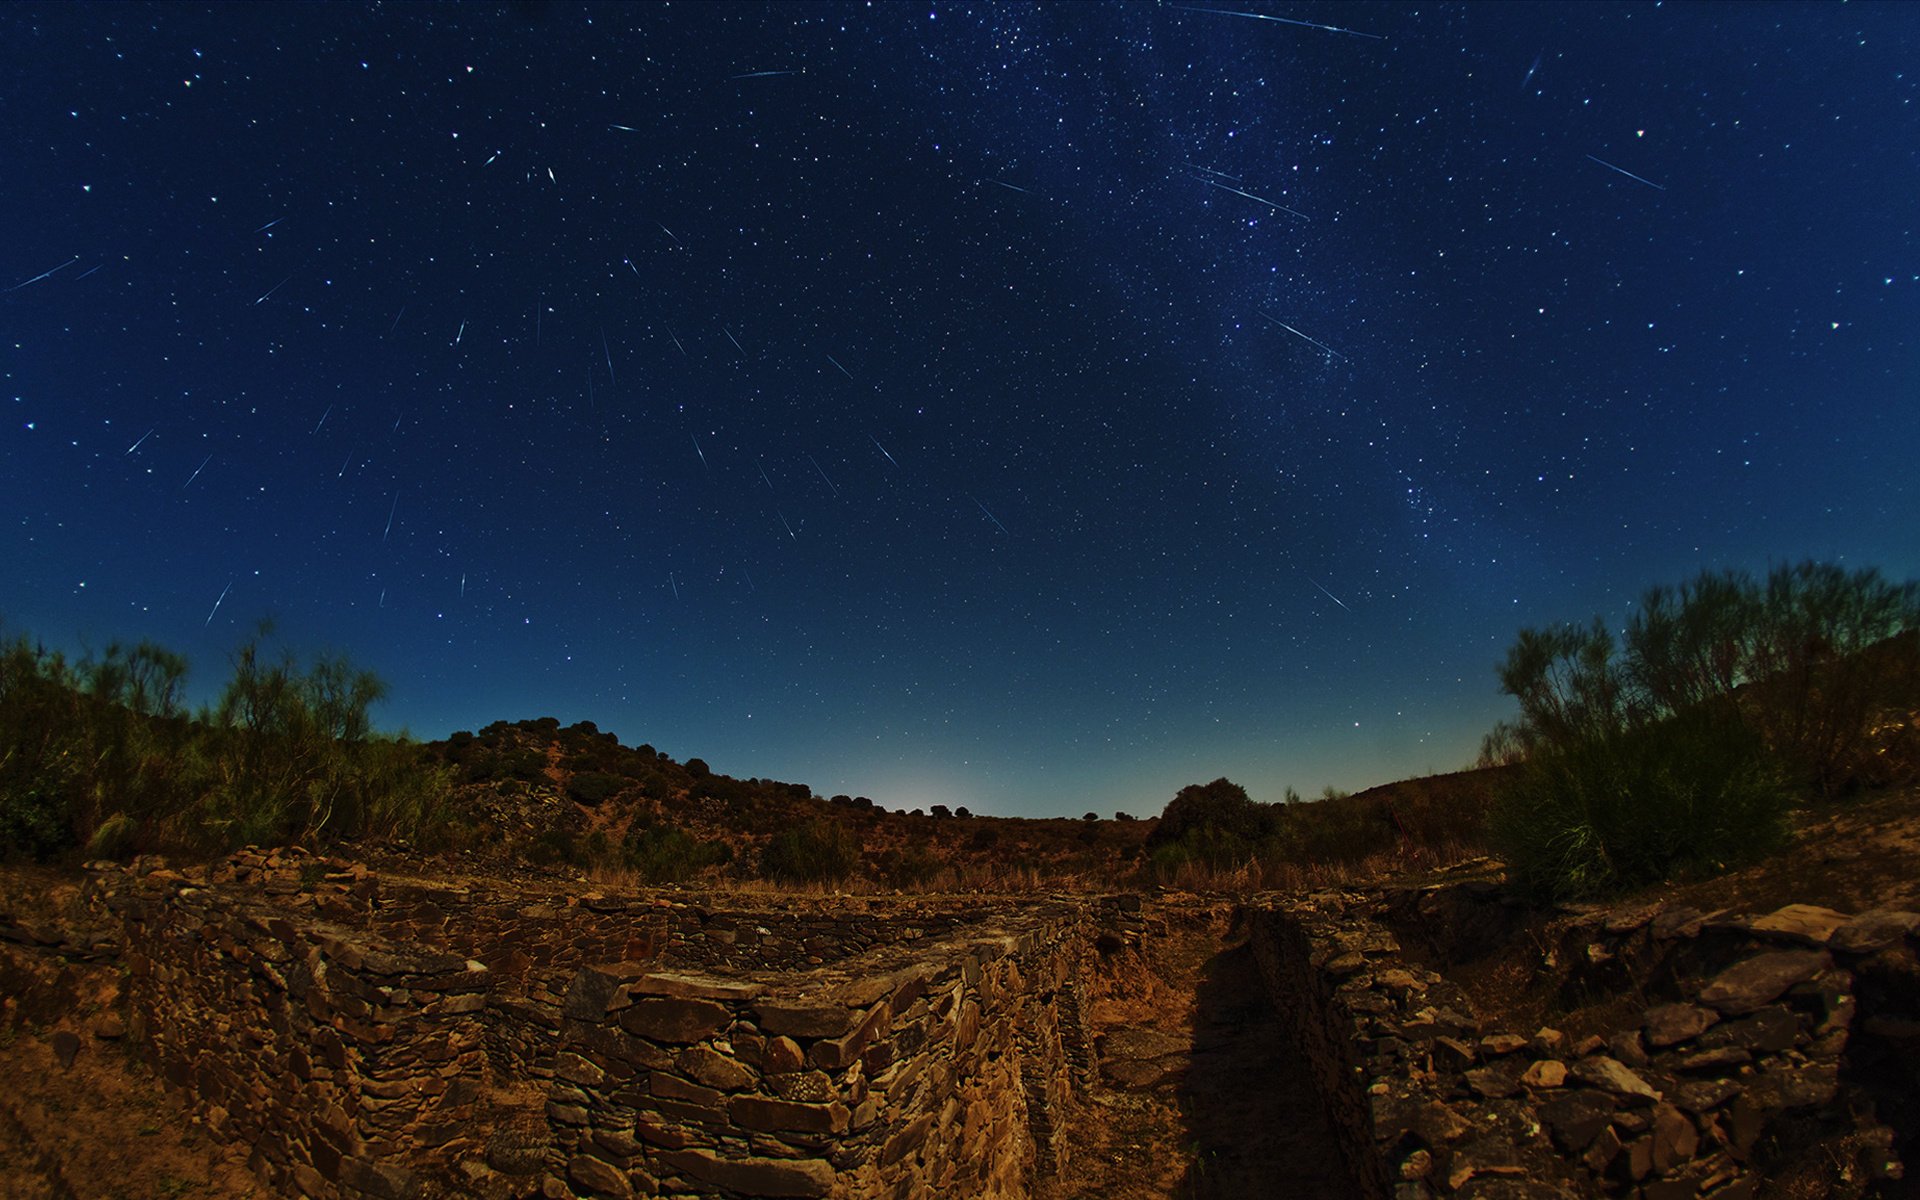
{"points": [[595, 787], [821, 851], [666, 854], [1690, 795]]}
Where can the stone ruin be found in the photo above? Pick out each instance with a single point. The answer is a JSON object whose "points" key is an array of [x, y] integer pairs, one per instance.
{"points": [[362, 1036]]}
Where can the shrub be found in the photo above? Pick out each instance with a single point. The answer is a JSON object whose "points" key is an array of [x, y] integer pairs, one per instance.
{"points": [[821, 851], [1689, 795], [667, 854], [595, 787]]}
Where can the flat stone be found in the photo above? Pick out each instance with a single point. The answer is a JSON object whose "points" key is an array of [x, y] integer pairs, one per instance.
{"points": [[755, 1176], [1576, 1118], [665, 1019], [800, 1019], [1723, 1059], [1674, 923], [66, 1047], [1631, 919], [1702, 1095], [599, 1178], [1747, 985], [1807, 924], [1545, 1073], [1669, 1024], [595, 990], [784, 1116], [1874, 931], [1497, 1081], [1612, 1075], [714, 1069], [1675, 1140], [1496, 1045], [682, 985]]}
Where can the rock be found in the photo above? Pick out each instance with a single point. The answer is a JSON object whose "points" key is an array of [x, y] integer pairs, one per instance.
{"points": [[1874, 931], [1417, 1165], [66, 1047], [1675, 1140], [1807, 924], [110, 1027], [1675, 923], [1769, 1030], [1437, 1125], [799, 1019], [1670, 1024], [1496, 1045], [1497, 1081], [1453, 1053], [672, 1020], [714, 1069], [1702, 1095], [1627, 1047], [782, 1056], [1546, 1073], [1631, 919], [1576, 1118], [599, 1178], [1612, 1075], [755, 1176], [1548, 1042], [1759, 980], [1723, 1059], [1601, 1153]]}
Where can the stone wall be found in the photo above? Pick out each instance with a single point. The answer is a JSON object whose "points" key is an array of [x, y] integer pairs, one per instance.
{"points": [[1734, 1037], [896, 1075], [343, 1063], [377, 1038]]}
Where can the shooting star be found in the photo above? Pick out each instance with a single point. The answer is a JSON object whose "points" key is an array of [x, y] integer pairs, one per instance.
{"points": [[1303, 337], [881, 449], [609, 354], [550, 175], [624, 128], [783, 521], [344, 464], [1012, 188], [463, 585], [843, 370], [396, 423], [1329, 595], [383, 598], [1629, 174], [631, 267], [734, 340], [196, 472], [823, 476], [763, 473], [270, 291], [1262, 199], [269, 224], [143, 438], [1530, 70], [44, 274], [1228, 12], [396, 320], [674, 584], [323, 418], [1211, 171], [750, 586], [390, 512], [461, 334], [489, 162], [699, 451], [218, 603], [87, 272], [762, 74], [676, 341], [670, 233], [989, 513]]}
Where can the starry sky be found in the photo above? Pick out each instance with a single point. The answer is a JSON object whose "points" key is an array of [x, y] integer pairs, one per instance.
{"points": [[1036, 408]]}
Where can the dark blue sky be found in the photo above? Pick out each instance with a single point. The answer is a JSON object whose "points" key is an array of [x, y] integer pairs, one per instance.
{"points": [[1037, 409]]}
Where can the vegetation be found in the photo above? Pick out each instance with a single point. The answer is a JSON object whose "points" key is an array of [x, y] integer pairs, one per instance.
{"points": [[101, 754], [820, 851], [1677, 750]]}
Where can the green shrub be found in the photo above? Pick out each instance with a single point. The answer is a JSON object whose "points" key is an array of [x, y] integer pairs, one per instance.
{"points": [[595, 787], [666, 854], [1691, 795], [821, 851]]}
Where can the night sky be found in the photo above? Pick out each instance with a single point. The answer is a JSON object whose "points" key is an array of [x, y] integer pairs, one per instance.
{"points": [[1031, 408]]}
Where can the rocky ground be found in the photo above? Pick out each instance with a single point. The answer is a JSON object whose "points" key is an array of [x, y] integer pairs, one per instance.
{"points": [[1196, 1093]]}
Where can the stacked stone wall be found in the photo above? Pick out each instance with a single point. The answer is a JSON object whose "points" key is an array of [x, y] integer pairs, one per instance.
{"points": [[1736, 1037]]}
